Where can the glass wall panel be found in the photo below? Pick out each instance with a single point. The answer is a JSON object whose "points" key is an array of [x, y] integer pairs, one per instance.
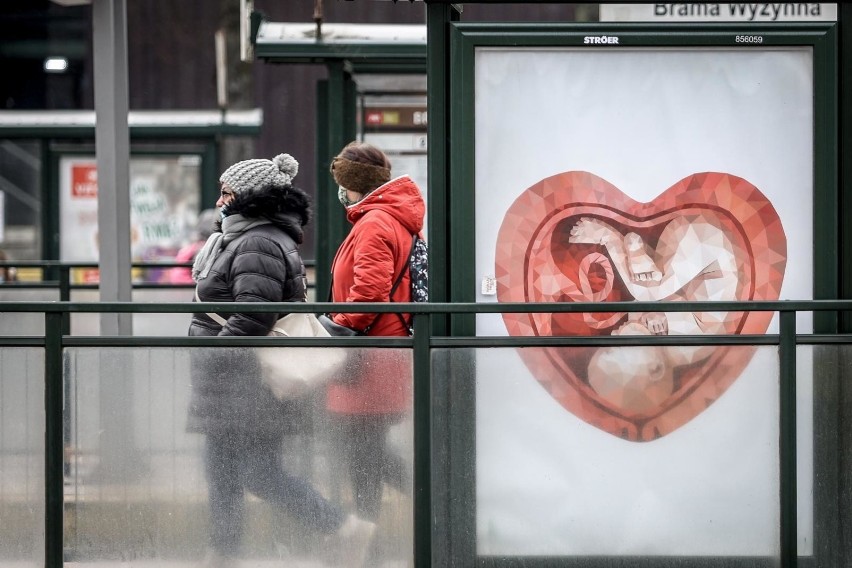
{"points": [[21, 457], [88, 324], [552, 481], [19, 323], [183, 453], [20, 200], [823, 451], [154, 324]]}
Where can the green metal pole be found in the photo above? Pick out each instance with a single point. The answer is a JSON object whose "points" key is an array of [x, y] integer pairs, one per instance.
{"points": [[209, 175], [65, 295], [337, 137], [454, 501], [323, 201], [787, 440], [340, 129], [438, 17], [422, 442], [53, 443]]}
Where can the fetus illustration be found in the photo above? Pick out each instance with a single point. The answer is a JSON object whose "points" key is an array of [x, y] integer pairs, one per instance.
{"points": [[693, 260], [574, 237]]}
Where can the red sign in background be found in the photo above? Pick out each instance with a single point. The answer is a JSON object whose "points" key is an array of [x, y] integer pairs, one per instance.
{"points": [[84, 180]]}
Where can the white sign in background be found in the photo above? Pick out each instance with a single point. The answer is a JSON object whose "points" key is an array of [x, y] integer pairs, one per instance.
{"points": [[642, 119], [164, 203], [719, 12]]}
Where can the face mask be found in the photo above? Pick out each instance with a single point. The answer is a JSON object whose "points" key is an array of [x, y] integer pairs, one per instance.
{"points": [[341, 196]]}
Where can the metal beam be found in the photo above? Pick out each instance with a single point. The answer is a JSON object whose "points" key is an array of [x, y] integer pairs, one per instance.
{"points": [[112, 148]]}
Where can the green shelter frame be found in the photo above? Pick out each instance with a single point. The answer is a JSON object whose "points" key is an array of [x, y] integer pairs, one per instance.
{"points": [[152, 133], [345, 50], [448, 52]]}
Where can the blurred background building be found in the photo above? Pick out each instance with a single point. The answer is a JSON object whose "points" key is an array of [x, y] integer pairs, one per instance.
{"points": [[183, 131]]}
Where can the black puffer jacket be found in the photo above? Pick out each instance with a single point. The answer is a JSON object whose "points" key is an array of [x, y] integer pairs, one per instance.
{"points": [[262, 264]]}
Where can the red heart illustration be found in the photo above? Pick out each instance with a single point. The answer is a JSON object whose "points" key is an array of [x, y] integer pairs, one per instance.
{"points": [[575, 237]]}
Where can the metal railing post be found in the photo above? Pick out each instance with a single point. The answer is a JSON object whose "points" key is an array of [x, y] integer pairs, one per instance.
{"points": [[53, 442], [65, 295], [787, 440], [422, 442]]}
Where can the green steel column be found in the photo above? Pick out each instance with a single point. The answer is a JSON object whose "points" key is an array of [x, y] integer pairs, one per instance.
{"points": [[844, 17], [49, 208], [422, 442], [844, 157], [209, 176], [337, 137], [438, 17], [787, 440], [323, 204], [339, 123], [53, 443], [453, 485], [826, 164]]}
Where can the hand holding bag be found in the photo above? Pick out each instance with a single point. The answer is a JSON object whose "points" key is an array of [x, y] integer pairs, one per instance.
{"points": [[335, 329], [292, 372]]}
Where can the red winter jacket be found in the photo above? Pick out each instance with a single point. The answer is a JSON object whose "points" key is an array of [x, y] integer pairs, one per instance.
{"points": [[364, 270]]}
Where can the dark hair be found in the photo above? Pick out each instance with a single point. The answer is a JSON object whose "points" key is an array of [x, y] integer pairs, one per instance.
{"points": [[365, 154], [269, 199]]}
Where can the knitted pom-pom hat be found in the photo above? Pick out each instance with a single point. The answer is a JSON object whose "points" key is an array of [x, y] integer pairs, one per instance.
{"points": [[250, 174]]}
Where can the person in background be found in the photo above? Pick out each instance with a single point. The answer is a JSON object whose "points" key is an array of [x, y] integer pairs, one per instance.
{"points": [[384, 213], [204, 227], [253, 256]]}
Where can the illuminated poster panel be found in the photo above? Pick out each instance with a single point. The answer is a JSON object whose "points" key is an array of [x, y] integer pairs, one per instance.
{"points": [[654, 174], [164, 204]]}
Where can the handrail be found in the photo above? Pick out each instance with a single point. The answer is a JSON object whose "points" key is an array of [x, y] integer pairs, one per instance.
{"points": [[72, 264], [55, 339], [430, 307]]}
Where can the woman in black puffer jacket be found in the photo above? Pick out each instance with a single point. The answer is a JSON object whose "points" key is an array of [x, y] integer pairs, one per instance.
{"points": [[252, 257]]}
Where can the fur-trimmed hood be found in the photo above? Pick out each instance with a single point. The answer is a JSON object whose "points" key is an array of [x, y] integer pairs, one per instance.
{"points": [[286, 206]]}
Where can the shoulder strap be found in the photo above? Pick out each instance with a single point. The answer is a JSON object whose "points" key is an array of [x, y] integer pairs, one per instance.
{"points": [[215, 317], [404, 266], [399, 279]]}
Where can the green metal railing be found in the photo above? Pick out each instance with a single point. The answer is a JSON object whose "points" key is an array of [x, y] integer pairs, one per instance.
{"points": [[54, 341], [57, 275]]}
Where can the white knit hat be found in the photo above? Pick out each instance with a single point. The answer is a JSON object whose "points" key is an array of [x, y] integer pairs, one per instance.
{"points": [[250, 174]]}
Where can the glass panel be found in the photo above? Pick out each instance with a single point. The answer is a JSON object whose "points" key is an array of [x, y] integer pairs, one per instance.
{"points": [[823, 450], [14, 324], [160, 325], [708, 488], [88, 324], [20, 201], [145, 421], [21, 457]]}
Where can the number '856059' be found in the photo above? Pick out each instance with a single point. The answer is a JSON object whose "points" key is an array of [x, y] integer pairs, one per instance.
{"points": [[748, 39]]}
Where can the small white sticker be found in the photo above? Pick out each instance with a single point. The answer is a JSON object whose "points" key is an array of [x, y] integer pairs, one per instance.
{"points": [[489, 286]]}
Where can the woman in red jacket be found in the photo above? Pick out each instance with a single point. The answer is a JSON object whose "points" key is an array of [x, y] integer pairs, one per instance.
{"points": [[384, 213]]}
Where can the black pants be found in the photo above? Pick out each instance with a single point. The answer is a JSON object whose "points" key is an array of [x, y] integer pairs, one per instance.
{"points": [[364, 444], [236, 461]]}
